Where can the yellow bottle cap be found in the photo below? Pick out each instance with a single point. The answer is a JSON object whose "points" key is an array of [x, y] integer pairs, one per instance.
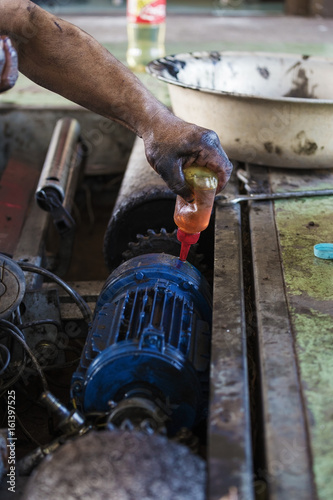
{"points": [[200, 177]]}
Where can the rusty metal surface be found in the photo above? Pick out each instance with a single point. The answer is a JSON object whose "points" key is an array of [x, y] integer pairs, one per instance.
{"points": [[288, 463], [309, 289], [31, 245], [17, 186], [229, 433]]}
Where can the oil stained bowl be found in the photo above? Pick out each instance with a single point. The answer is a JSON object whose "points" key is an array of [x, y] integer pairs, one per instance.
{"points": [[270, 109]]}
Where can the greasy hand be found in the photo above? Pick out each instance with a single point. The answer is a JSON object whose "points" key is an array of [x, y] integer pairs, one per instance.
{"points": [[8, 64], [174, 144]]}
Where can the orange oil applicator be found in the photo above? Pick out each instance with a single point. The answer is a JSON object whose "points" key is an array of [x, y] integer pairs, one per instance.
{"points": [[192, 218]]}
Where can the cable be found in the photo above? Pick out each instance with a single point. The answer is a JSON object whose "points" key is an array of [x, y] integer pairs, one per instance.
{"points": [[66, 364], [21, 334], [21, 369], [39, 322], [15, 378], [16, 332], [6, 363], [83, 306]]}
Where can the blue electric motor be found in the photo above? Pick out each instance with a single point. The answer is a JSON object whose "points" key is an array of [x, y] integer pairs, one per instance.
{"points": [[150, 339]]}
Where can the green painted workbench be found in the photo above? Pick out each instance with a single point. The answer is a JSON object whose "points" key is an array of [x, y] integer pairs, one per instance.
{"points": [[294, 309], [301, 224]]}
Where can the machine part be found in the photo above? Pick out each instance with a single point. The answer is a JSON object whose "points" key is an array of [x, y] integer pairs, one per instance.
{"points": [[150, 338], [144, 202], [59, 176], [57, 184], [56, 169], [83, 306], [30, 461], [120, 465], [140, 413], [224, 199], [279, 115], [15, 332], [187, 438], [88, 290], [43, 335], [12, 286], [160, 242], [62, 219], [69, 422]]}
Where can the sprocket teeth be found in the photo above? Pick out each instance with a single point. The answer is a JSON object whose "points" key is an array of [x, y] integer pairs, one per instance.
{"points": [[162, 242]]}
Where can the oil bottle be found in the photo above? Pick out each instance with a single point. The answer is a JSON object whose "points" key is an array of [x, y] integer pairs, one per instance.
{"points": [[145, 32], [192, 218]]}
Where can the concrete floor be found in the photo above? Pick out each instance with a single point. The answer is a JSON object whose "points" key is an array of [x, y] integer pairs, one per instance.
{"points": [[201, 30]]}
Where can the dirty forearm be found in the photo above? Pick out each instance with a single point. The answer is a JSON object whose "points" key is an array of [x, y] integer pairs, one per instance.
{"points": [[68, 61]]}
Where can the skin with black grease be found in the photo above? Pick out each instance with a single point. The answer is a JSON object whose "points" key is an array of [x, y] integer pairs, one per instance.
{"points": [[61, 57], [8, 64]]}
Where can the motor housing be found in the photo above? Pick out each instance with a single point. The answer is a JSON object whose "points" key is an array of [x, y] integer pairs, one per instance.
{"points": [[150, 339]]}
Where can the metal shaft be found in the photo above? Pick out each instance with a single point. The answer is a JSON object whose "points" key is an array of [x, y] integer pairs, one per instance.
{"points": [[57, 169], [232, 200]]}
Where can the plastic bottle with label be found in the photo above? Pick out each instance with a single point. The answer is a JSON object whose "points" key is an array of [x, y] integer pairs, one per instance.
{"points": [[145, 32], [192, 218]]}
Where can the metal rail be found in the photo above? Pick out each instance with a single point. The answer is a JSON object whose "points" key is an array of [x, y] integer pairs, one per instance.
{"points": [[230, 468]]}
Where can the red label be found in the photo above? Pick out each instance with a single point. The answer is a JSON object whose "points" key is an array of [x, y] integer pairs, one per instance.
{"points": [[146, 11]]}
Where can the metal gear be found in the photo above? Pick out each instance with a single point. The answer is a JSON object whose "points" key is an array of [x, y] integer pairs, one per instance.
{"points": [[12, 286], [162, 242]]}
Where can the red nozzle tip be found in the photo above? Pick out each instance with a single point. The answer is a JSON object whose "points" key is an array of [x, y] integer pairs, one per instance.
{"points": [[186, 239]]}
